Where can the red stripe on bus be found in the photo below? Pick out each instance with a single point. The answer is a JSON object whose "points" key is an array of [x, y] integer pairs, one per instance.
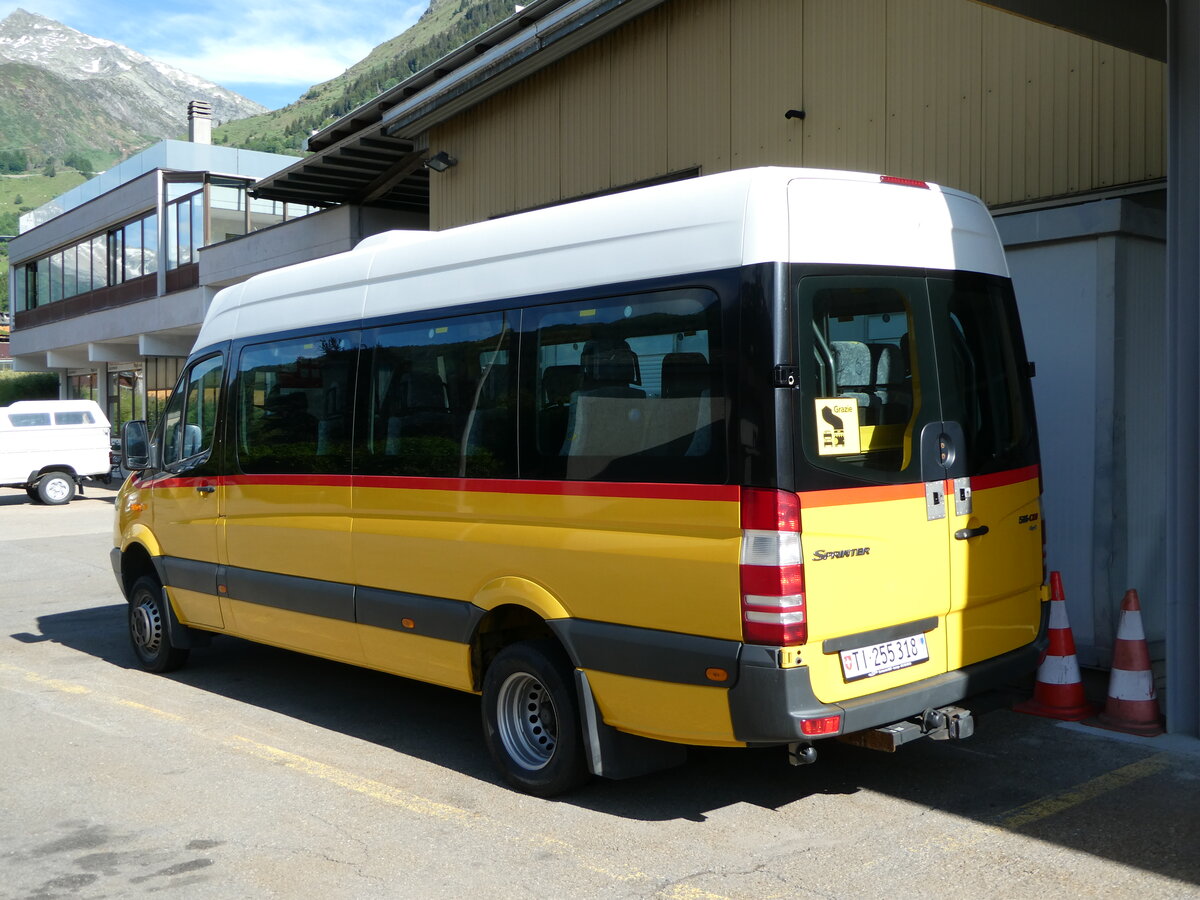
{"points": [[1003, 479], [638, 491]]}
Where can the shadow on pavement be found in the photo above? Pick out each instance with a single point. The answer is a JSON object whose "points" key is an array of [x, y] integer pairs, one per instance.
{"points": [[1012, 763]]}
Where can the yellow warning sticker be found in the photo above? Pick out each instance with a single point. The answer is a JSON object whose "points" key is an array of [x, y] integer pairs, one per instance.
{"points": [[837, 425]]}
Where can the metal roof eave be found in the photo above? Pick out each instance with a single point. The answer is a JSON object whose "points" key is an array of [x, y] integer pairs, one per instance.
{"points": [[565, 28]]}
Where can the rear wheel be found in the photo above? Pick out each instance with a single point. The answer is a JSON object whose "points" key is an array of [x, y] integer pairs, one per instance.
{"points": [[531, 719], [56, 488], [148, 630]]}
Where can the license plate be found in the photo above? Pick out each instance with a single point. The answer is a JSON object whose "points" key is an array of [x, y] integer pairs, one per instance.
{"points": [[888, 656]]}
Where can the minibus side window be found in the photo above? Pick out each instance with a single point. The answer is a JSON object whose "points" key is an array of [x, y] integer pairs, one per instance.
{"points": [[629, 389], [438, 399], [295, 405], [191, 416]]}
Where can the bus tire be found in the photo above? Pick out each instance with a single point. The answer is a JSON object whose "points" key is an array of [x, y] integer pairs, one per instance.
{"points": [[531, 719], [148, 632], [56, 488]]}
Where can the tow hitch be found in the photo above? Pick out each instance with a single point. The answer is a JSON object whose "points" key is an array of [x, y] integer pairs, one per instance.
{"points": [[944, 724]]}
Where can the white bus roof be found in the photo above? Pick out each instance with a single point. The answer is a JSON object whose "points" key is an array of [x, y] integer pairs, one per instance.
{"points": [[721, 221]]}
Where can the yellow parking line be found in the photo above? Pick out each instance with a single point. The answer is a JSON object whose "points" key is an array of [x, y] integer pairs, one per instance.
{"points": [[376, 790], [1089, 790], [142, 707]]}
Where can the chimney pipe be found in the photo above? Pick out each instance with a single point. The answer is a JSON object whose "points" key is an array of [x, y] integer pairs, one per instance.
{"points": [[200, 122]]}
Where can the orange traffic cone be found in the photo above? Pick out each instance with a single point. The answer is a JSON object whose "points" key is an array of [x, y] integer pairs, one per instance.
{"points": [[1058, 693], [1132, 704]]}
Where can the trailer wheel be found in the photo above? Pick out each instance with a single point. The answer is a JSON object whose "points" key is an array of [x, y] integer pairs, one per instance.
{"points": [[33, 494], [531, 719], [56, 488]]}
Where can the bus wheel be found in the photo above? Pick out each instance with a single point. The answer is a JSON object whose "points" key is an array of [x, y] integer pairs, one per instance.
{"points": [[148, 628], [56, 488], [531, 719]]}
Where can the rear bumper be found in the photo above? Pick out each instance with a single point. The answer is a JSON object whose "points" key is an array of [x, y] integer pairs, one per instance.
{"points": [[768, 703]]}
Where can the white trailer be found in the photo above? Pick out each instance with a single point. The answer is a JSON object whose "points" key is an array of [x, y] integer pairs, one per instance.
{"points": [[49, 446]]}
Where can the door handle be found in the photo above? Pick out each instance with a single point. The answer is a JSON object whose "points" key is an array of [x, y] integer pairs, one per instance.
{"points": [[965, 534], [208, 489]]}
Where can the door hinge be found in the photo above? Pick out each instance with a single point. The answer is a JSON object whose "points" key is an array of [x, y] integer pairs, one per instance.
{"points": [[962, 497], [935, 500]]}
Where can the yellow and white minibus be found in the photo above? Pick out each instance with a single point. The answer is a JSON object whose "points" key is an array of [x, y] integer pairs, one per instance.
{"points": [[744, 460]]}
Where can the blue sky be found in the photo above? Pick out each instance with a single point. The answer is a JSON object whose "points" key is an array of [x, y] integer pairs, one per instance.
{"points": [[271, 51]]}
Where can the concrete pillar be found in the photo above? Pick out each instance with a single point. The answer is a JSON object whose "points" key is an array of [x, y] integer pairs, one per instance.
{"points": [[1182, 341]]}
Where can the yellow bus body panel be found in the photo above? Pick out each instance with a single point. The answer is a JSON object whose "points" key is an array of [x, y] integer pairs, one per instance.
{"points": [[447, 663], [291, 529], [902, 577], [583, 551], [683, 713], [195, 608], [317, 635], [997, 577]]}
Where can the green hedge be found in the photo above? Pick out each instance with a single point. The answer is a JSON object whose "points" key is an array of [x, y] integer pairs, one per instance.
{"points": [[16, 386]]}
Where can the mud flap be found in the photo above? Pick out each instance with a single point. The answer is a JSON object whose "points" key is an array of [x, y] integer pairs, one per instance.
{"points": [[615, 754]]}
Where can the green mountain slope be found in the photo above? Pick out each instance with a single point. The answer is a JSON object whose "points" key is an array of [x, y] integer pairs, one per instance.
{"points": [[445, 26], [79, 123]]}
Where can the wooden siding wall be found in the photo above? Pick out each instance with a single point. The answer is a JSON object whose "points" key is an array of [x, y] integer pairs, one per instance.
{"points": [[944, 90]]}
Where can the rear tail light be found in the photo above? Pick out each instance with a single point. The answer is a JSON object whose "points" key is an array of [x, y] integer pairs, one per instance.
{"points": [[903, 182], [772, 569]]}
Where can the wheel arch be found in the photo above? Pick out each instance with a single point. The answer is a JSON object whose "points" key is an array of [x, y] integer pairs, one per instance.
{"points": [[515, 609], [136, 561]]}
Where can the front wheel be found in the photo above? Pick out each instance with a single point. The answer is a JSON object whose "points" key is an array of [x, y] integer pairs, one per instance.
{"points": [[148, 630], [531, 719], [56, 489]]}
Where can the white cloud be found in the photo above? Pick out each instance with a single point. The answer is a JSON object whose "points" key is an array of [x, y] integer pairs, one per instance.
{"points": [[272, 42]]}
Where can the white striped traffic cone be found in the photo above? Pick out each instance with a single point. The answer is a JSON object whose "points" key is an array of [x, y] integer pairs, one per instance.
{"points": [[1132, 704], [1058, 693]]}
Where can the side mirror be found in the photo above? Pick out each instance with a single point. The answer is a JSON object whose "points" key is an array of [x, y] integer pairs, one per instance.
{"points": [[135, 446]]}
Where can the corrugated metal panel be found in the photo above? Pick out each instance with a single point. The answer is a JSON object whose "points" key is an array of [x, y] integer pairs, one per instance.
{"points": [[452, 193], [1130, 121], [585, 114], [698, 59], [537, 130], [935, 92], [766, 68], [496, 157], [638, 77], [941, 89], [845, 84]]}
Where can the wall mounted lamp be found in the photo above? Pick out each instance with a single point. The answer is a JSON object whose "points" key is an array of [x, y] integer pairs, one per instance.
{"points": [[440, 162]]}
